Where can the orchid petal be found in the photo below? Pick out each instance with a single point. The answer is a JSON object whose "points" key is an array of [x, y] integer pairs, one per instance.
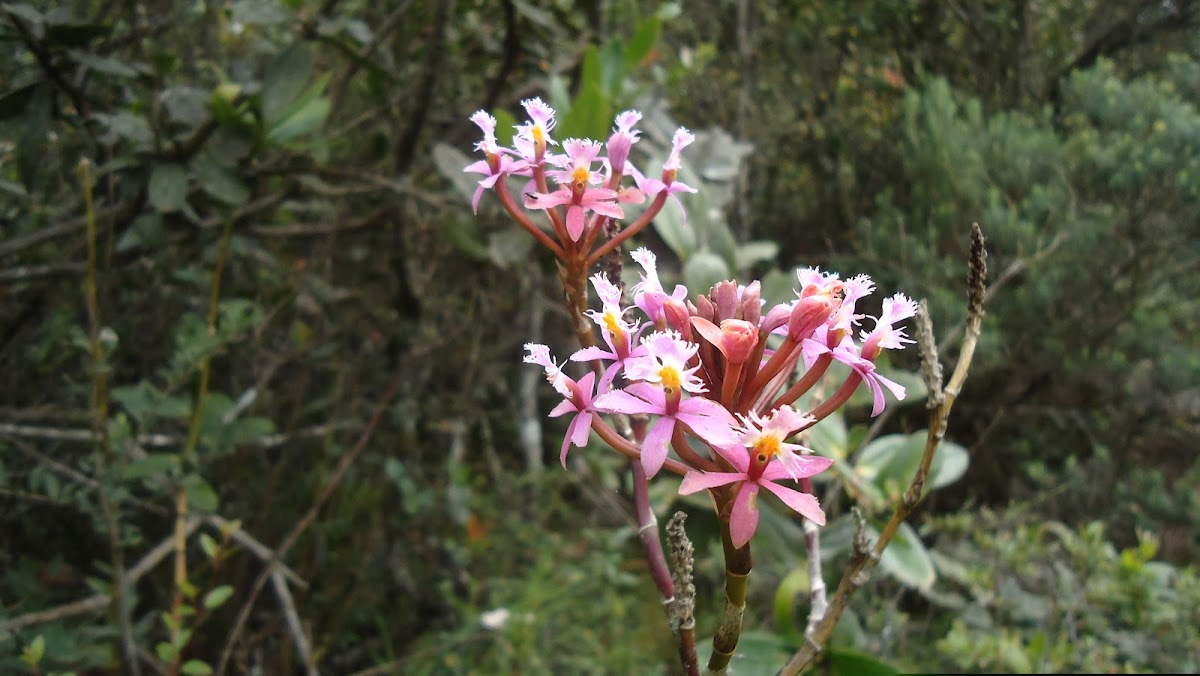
{"points": [[743, 518], [697, 481], [804, 504], [654, 447]]}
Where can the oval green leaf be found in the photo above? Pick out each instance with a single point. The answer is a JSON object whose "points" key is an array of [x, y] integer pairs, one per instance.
{"points": [[907, 560], [704, 269], [168, 187]]}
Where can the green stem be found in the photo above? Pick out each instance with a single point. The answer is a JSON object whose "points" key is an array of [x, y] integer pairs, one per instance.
{"points": [[738, 563], [127, 654], [189, 448]]}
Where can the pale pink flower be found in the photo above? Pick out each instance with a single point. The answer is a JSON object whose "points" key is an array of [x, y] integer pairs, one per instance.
{"points": [[577, 398], [574, 191], [756, 469], [618, 334], [706, 418], [665, 376], [533, 136], [848, 353], [497, 164], [650, 187], [897, 308], [648, 294], [622, 140]]}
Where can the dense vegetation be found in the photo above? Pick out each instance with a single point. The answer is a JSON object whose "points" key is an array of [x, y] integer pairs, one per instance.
{"points": [[246, 311]]}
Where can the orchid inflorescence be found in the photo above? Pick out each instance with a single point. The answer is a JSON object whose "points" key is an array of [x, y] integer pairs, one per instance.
{"points": [[720, 369]]}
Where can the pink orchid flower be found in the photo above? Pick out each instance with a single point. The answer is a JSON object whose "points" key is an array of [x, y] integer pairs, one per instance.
{"points": [[648, 294], [650, 187], [665, 376], [577, 398], [497, 164], [761, 443], [618, 334], [574, 191]]}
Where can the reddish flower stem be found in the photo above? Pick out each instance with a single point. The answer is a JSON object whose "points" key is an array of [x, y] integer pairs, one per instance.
{"points": [[805, 383], [630, 230], [629, 449], [506, 200]]}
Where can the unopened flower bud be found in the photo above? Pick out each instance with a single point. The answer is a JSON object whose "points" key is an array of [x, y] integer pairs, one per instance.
{"points": [[725, 296], [622, 140], [678, 317], [738, 339], [750, 304], [705, 308], [776, 317], [735, 338], [808, 314]]}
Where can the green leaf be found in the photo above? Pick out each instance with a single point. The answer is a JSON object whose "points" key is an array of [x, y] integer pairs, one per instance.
{"points": [[590, 115], [505, 127], [219, 180], [891, 462], [777, 287], [669, 225], [509, 246], [104, 64], [465, 236], [703, 269], [307, 119], [196, 668], [758, 652], [948, 466], [185, 104], [750, 253], [642, 43], [907, 560], [852, 663], [218, 596], [612, 69], [591, 70], [168, 187], [209, 545], [32, 653], [154, 464], [31, 144], [829, 437], [789, 590], [286, 76], [450, 162], [200, 495], [14, 101]]}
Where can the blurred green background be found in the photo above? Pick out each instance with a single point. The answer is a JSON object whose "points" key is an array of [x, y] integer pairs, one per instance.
{"points": [[363, 408]]}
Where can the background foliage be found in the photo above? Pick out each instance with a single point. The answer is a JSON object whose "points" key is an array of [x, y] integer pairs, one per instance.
{"points": [[352, 390]]}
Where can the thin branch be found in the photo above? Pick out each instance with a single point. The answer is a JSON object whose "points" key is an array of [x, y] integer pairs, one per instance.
{"points": [[303, 647], [862, 563], [264, 442], [95, 603], [335, 480], [390, 24]]}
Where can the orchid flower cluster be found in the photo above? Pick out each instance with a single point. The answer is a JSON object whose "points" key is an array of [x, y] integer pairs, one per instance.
{"points": [[721, 370]]}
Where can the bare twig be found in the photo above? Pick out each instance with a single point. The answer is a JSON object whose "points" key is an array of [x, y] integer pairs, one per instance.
{"points": [[97, 602], [335, 480], [390, 24], [863, 562], [161, 440], [303, 647]]}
